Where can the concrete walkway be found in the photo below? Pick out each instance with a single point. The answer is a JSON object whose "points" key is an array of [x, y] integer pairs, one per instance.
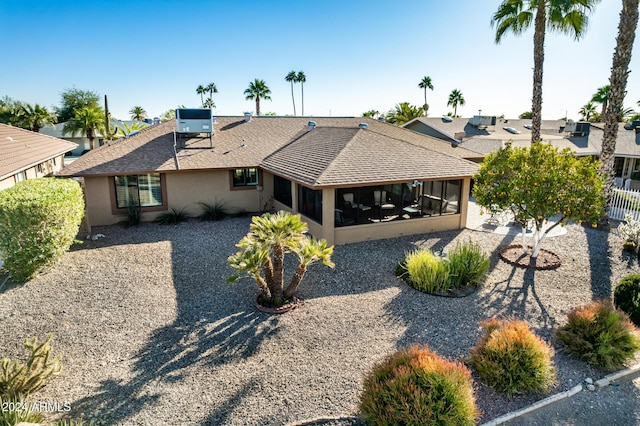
{"points": [[503, 223]]}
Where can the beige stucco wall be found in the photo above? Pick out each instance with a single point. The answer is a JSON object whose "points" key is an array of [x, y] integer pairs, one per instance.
{"points": [[47, 167]]}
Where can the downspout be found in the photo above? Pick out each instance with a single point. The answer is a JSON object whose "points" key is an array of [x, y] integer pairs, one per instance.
{"points": [[175, 151]]}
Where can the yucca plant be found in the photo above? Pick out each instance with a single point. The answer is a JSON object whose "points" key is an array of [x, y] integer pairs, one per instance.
{"points": [[213, 211], [172, 217], [417, 387], [512, 359], [19, 380], [600, 335]]}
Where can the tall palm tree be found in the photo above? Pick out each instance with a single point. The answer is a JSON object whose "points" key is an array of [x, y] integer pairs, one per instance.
{"points": [[587, 111], [211, 88], [565, 16], [602, 97], [201, 90], [302, 79], [138, 113], [425, 84], [618, 85], [257, 90], [455, 99], [36, 117], [88, 122], [372, 113], [403, 113], [292, 77]]}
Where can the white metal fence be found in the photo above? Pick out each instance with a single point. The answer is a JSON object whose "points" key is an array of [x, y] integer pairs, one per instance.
{"points": [[625, 201]]}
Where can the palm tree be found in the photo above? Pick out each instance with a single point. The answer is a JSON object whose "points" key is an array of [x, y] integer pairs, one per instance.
{"points": [[618, 85], [257, 90], [292, 77], [138, 113], [602, 97], [126, 130], [455, 99], [36, 117], [208, 103], [87, 121], [372, 113], [211, 88], [403, 113], [425, 84], [587, 111], [302, 79], [566, 16], [201, 90]]}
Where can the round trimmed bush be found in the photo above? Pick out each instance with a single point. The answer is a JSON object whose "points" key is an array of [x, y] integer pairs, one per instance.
{"points": [[39, 220], [512, 359], [426, 271], [600, 335], [416, 386], [626, 297]]}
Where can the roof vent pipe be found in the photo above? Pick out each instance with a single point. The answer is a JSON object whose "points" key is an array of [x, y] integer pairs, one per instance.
{"points": [[156, 121], [214, 120], [312, 125], [247, 117], [363, 125], [380, 118]]}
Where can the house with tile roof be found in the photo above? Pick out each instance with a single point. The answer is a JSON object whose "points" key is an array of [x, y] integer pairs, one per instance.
{"points": [[27, 155], [352, 179], [587, 142]]}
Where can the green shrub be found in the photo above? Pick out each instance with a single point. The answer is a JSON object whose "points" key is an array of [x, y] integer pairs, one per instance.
{"points": [[512, 359], [213, 211], [600, 335], [426, 271], [15, 410], [417, 387], [39, 220], [132, 217], [468, 265], [626, 297], [172, 217], [21, 380]]}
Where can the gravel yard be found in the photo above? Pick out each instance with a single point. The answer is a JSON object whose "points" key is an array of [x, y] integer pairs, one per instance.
{"points": [[151, 334]]}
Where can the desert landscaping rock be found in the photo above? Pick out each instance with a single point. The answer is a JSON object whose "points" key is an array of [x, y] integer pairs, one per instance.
{"points": [[152, 334]]}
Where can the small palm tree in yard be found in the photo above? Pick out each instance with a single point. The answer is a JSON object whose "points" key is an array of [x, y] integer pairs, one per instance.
{"points": [[262, 252]]}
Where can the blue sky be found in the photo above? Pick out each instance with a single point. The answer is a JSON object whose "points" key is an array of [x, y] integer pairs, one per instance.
{"points": [[357, 55]]}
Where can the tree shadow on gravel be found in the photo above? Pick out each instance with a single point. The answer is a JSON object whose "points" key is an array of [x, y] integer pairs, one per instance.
{"points": [[215, 323], [600, 263]]}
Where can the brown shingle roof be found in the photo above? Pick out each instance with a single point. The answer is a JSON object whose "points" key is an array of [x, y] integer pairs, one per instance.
{"points": [[152, 148], [25, 149]]}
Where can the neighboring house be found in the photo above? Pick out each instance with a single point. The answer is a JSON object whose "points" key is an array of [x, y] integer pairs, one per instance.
{"points": [[352, 179], [82, 141], [27, 155], [584, 140]]}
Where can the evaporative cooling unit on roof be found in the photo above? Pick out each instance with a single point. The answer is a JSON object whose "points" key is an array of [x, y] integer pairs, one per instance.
{"points": [[194, 121]]}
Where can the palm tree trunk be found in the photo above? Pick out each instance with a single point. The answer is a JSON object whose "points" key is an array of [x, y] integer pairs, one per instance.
{"points": [[425, 101], [277, 284], [268, 272], [538, 62], [302, 87], [297, 277], [618, 84], [257, 105], [293, 99], [264, 288]]}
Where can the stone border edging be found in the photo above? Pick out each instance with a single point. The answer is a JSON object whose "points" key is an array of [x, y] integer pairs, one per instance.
{"points": [[553, 398], [320, 419], [606, 380]]}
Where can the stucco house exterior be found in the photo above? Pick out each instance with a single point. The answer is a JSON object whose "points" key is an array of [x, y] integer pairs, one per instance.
{"points": [[352, 179], [28, 155]]}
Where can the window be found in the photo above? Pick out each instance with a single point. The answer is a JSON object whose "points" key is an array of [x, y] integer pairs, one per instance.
{"points": [[310, 203], [138, 190], [20, 176], [245, 177], [282, 190]]}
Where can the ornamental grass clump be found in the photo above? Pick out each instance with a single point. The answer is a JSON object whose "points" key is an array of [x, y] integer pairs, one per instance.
{"points": [[468, 265], [39, 220], [426, 271], [626, 297], [512, 359], [172, 217], [416, 387], [600, 335]]}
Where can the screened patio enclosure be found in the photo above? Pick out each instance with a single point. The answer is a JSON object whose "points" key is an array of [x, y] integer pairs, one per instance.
{"points": [[399, 201]]}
